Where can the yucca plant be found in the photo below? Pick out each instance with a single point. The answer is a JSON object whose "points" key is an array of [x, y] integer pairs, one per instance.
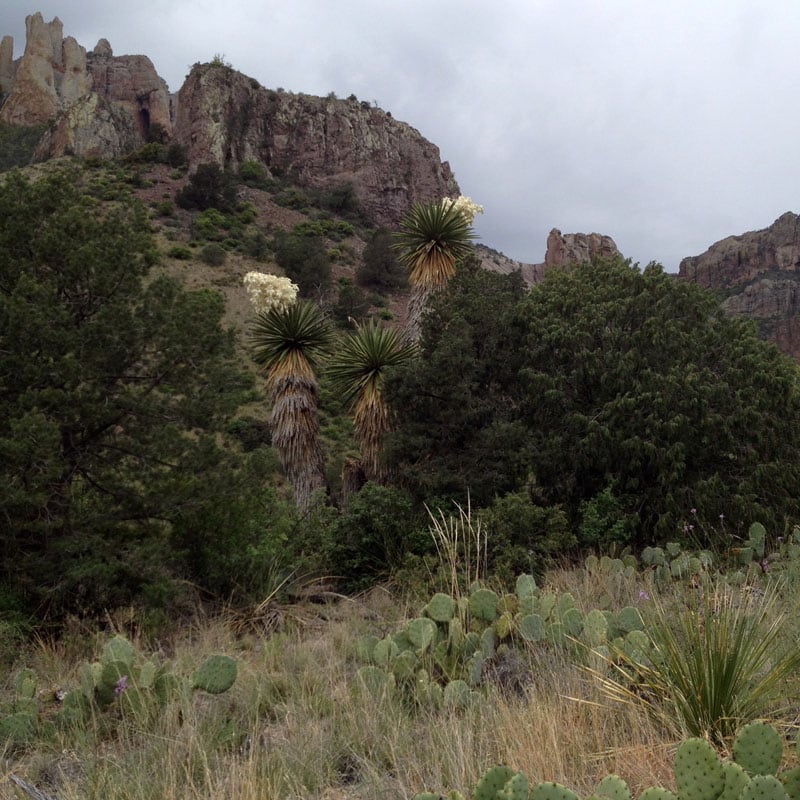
{"points": [[288, 342], [431, 240], [712, 668], [358, 370]]}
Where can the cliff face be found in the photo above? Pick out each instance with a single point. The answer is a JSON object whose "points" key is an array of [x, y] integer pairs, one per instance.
{"points": [[97, 103], [563, 250], [104, 105], [759, 275], [226, 117]]}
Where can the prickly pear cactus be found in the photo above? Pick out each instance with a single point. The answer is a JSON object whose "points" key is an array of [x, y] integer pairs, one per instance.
{"points": [[758, 749], [531, 628], [441, 608], [735, 781], [516, 788], [421, 632], [483, 605], [763, 787], [791, 782], [492, 782], [549, 790], [657, 793], [614, 788], [17, 730], [216, 675], [457, 694], [698, 771]]}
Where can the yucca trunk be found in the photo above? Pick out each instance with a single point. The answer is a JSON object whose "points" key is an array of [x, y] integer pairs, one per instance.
{"points": [[296, 434], [423, 286], [371, 422]]}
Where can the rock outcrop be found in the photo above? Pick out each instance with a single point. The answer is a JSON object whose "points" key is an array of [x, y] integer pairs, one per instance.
{"points": [[758, 274], [97, 103], [226, 117], [563, 250]]}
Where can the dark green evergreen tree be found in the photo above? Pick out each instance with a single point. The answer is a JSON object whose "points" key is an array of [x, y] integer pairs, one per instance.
{"points": [[114, 387], [626, 397]]}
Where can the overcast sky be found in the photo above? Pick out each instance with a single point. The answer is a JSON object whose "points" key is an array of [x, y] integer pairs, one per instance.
{"points": [[666, 124]]}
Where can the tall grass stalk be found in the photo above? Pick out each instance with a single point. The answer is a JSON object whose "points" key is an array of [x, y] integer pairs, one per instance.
{"points": [[713, 667], [461, 545]]}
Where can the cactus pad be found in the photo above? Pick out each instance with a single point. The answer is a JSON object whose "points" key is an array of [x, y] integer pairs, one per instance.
{"points": [[791, 782], [763, 787], [492, 782], [629, 619], [526, 587], [531, 628], [698, 771], [441, 607], [613, 787], [516, 788], [657, 793], [456, 694], [758, 749], [118, 649], [548, 790], [420, 632], [735, 781], [216, 675], [483, 605]]}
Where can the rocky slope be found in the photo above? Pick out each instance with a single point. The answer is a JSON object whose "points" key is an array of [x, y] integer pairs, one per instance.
{"points": [[758, 275]]}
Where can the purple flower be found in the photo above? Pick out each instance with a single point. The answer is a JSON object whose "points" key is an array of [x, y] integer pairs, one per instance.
{"points": [[692, 510], [122, 685], [643, 595]]}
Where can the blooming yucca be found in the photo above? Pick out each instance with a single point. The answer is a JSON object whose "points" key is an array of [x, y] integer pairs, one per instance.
{"points": [[431, 239], [269, 291], [465, 206]]}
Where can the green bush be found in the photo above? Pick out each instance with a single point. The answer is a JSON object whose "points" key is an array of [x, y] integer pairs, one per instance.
{"points": [[208, 187], [214, 255], [379, 268], [304, 259], [523, 537], [180, 252], [373, 535], [17, 143]]}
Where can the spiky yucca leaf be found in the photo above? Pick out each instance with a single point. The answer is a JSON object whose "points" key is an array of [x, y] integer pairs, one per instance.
{"points": [[431, 239], [290, 341], [713, 668], [358, 371]]}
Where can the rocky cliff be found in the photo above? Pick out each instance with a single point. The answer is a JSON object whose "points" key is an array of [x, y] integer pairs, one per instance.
{"points": [[226, 117], [758, 276], [104, 105], [96, 103], [563, 250]]}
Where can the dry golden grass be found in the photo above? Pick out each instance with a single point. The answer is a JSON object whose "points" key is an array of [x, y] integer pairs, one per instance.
{"points": [[295, 725]]}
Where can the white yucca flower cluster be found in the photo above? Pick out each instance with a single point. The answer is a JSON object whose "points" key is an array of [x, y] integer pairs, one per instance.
{"points": [[269, 291], [465, 206]]}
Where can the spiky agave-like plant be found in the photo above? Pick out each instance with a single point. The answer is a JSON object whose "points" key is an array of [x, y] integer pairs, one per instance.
{"points": [[288, 343], [431, 240], [358, 370]]}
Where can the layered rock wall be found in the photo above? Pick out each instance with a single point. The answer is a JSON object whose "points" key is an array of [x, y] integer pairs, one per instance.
{"points": [[758, 276], [226, 117]]}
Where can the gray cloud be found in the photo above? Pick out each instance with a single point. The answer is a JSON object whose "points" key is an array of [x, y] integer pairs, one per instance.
{"points": [[665, 125]]}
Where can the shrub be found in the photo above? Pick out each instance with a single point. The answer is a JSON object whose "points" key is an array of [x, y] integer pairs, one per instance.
{"points": [[214, 255], [379, 268], [209, 187], [180, 252], [305, 261]]}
